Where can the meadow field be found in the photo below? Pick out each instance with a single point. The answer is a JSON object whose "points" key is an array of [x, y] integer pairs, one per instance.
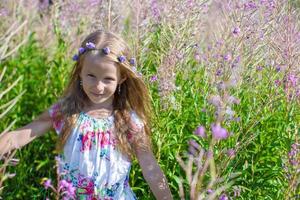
{"points": [[224, 77]]}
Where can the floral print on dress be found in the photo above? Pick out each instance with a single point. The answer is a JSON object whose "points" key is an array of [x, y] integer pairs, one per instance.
{"points": [[85, 186], [99, 138]]}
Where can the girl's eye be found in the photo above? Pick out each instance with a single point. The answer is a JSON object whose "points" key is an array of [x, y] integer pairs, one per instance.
{"points": [[109, 78], [91, 75]]}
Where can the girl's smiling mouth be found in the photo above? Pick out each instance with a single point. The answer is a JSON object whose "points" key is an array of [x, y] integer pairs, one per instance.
{"points": [[96, 94]]}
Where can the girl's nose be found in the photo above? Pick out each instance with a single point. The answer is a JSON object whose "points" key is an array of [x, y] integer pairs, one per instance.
{"points": [[100, 86]]}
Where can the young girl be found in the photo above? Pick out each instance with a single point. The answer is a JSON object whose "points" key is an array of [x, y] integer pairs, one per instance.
{"points": [[102, 122]]}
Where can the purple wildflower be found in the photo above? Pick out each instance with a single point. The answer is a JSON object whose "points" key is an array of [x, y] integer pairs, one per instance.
{"points": [[218, 132], [43, 4], [215, 100], [197, 57], [209, 191], [75, 57], [219, 43], [153, 78], [155, 10], [294, 162], [227, 57], [190, 3], [219, 72], [121, 59], [200, 131], [106, 50], [47, 183], [209, 48], [292, 79], [236, 61], [295, 146], [263, 1], [278, 68], [259, 68], [236, 31], [277, 82], [4, 12], [223, 197], [63, 184], [81, 50], [132, 61], [71, 190], [67, 188], [134, 69], [293, 154], [90, 45], [298, 92], [250, 5]]}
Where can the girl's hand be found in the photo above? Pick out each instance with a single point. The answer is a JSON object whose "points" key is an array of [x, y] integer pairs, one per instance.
{"points": [[22, 136]]}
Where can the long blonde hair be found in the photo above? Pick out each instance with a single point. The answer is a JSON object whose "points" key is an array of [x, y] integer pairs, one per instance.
{"points": [[134, 96]]}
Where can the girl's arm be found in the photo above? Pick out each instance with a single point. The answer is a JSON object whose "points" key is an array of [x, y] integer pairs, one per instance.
{"points": [[150, 168], [22, 136], [153, 174]]}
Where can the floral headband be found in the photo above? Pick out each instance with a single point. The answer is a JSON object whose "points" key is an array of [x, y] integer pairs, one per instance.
{"points": [[106, 51]]}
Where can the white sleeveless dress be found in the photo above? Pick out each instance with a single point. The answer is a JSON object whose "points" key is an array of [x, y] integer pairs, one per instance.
{"points": [[90, 160]]}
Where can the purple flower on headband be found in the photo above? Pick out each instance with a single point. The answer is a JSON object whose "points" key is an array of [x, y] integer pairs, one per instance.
{"points": [[75, 57], [132, 61], [106, 50], [90, 45], [81, 50], [121, 59], [134, 69]]}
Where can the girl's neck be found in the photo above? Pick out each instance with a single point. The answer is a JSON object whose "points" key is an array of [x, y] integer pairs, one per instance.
{"points": [[99, 111], [107, 105]]}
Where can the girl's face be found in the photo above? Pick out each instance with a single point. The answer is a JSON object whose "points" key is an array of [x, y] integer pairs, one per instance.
{"points": [[100, 78]]}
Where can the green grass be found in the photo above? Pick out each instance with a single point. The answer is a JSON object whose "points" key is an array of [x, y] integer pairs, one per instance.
{"points": [[265, 132]]}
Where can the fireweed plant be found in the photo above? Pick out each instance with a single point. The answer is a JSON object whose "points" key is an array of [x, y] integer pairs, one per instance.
{"points": [[64, 189], [224, 78], [8, 159], [8, 99], [238, 53]]}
